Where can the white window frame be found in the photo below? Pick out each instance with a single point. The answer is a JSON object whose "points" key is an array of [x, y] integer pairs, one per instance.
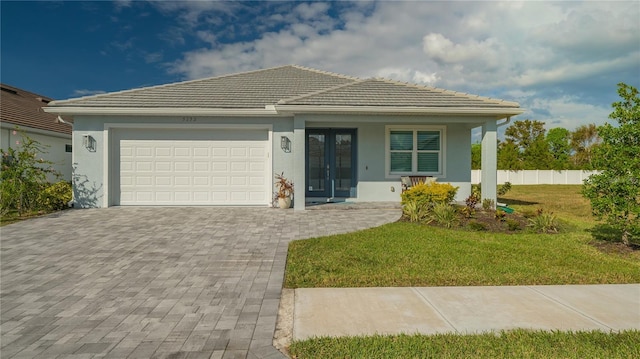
{"points": [[414, 157]]}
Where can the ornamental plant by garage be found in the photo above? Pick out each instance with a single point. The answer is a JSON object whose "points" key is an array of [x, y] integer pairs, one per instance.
{"points": [[284, 191]]}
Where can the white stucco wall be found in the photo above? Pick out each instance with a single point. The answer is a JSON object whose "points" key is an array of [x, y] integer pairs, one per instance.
{"points": [[54, 146]]}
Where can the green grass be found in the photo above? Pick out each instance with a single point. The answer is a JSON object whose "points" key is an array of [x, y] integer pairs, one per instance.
{"points": [[408, 254], [508, 344]]}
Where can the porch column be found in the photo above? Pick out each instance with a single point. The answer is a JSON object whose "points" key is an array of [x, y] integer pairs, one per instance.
{"points": [[489, 161], [299, 177]]}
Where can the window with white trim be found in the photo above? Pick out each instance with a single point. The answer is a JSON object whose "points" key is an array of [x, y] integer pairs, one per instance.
{"points": [[417, 151]]}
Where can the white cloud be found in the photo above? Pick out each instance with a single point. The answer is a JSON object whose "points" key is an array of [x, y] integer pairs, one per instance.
{"points": [[562, 59], [85, 92]]}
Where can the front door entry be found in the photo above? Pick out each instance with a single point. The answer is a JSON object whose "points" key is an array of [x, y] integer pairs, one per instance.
{"points": [[330, 158]]}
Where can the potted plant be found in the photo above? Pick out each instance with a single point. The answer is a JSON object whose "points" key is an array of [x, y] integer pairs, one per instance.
{"points": [[284, 190]]}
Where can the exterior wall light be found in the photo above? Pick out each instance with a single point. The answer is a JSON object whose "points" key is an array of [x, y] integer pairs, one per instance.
{"points": [[285, 144], [89, 142]]}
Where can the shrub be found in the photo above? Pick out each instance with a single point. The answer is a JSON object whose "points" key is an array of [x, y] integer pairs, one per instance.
{"points": [[56, 196], [414, 211], [444, 214], [487, 204], [471, 203], [23, 176], [428, 194], [500, 215], [614, 193], [544, 222]]}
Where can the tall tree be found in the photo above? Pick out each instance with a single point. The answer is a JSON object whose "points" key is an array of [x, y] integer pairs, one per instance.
{"points": [[529, 137], [583, 140], [615, 192], [558, 140]]}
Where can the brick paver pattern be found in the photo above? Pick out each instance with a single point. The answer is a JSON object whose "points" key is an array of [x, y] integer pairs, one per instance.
{"points": [[144, 282]]}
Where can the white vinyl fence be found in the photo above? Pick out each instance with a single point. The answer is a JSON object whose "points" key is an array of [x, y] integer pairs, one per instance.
{"points": [[536, 176]]}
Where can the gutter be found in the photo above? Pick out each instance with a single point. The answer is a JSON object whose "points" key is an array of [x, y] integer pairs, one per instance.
{"points": [[160, 111], [284, 110], [408, 110]]}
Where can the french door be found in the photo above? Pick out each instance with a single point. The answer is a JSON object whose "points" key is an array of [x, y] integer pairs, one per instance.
{"points": [[330, 162]]}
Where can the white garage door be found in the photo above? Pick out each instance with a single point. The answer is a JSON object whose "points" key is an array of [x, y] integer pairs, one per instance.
{"points": [[195, 172]]}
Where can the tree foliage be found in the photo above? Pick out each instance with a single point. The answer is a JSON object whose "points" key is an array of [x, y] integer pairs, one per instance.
{"points": [[615, 192], [509, 156], [528, 146], [583, 140], [23, 180], [476, 156], [558, 140]]}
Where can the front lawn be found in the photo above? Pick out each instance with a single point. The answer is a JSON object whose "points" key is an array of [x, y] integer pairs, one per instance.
{"points": [[408, 254], [510, 344]]}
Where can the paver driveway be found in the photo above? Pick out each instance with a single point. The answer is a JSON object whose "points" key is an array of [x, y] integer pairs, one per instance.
{"points": [[182, 282]]}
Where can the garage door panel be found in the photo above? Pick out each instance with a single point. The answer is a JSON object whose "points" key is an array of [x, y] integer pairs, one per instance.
{"points": [[163, 152], [182, 181], [163, 166], [167, 171]]}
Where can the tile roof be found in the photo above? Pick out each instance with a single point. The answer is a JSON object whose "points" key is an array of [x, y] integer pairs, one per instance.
{"points": [[383, 92], [285, 85], [254, 89], [24, 109]]}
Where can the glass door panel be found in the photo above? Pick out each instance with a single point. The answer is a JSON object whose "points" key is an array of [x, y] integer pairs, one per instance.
{"points": [[343, 164], [330, 161], [316, 164]]}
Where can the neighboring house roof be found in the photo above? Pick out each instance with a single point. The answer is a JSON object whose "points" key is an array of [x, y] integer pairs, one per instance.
{"points": [[24, 109], [288, 88]]}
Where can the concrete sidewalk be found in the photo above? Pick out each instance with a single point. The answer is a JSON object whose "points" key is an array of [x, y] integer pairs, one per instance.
{"points": [[464, 310]]}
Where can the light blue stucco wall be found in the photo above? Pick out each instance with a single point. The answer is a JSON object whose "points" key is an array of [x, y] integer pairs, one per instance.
{"points": [[373, 183], [92, 190]]}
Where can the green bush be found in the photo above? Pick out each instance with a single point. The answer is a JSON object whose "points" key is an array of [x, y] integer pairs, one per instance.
{"points": [[414, 212], [428, 194], [56, 196], [544, 222], [444, 214], [487, 204], [23, 176]]}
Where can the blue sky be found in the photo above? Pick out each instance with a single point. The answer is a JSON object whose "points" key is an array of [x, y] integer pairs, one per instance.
{"points": [[560, 60]]}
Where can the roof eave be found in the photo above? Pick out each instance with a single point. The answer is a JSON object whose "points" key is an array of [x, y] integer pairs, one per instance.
{"points": [[160, 111], [500, 112]]}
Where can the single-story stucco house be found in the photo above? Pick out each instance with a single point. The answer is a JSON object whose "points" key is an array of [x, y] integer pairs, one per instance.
{"points": [[23, 110], [220, 140]]}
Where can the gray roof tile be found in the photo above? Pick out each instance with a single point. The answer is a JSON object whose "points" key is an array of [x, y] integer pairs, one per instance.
{"points": [[286, 85]]}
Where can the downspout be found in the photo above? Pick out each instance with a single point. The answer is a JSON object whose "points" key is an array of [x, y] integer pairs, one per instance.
{"points": [[506, 122]]}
